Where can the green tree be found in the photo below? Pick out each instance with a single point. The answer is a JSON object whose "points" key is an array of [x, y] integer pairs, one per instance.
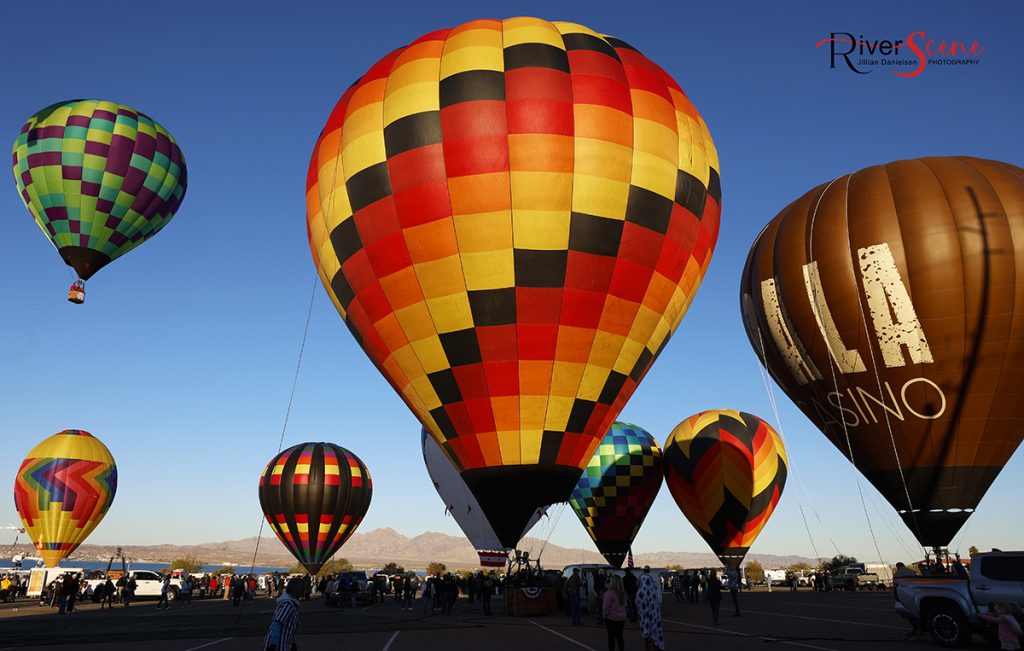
{"points": [[674, 566], [754, 571], [435, 567], [189, 563], [392, 569], [799, 567], [227, 569], [839, 560]]}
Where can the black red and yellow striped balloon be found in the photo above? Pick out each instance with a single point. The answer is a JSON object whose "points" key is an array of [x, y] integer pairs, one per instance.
{"points": [[314, 495], [512, 218], [726, 471]]}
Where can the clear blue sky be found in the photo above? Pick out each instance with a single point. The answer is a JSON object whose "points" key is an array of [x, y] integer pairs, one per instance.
{"points": [[183, 356]]}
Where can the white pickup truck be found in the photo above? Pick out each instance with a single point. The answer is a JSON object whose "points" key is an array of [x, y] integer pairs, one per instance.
{"points": [[947, 606], [148, 584]]}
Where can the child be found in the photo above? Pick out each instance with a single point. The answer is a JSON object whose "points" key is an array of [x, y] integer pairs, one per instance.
{"points": [[1009, 629]]}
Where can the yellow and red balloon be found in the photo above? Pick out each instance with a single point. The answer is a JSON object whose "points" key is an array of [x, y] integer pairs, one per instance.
{"points": [[726, 470], [512, 217], [63, 489]]}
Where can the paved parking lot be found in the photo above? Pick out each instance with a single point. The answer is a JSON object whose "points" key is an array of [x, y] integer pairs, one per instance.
{"points": [[804, 619]]}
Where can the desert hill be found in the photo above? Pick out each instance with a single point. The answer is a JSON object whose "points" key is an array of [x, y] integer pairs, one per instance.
{"points": [[379, 546]]}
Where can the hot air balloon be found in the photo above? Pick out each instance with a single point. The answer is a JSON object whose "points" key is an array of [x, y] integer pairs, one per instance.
{"points": [[99, 178], [726, 470], [617, 489], [63, 489], [461, 505], [885, 304], [314, 495], [512, 218]]}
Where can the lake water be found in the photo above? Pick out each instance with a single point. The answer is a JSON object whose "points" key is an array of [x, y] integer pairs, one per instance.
{"points": [[102, 565]]}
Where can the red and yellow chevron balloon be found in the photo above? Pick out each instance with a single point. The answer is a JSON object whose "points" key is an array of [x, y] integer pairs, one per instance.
{"points": [[63, 489], [726, 470], [512, 217]]}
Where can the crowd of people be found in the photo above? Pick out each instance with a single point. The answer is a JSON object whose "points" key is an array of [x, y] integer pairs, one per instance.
{"points": [[12, 586]]}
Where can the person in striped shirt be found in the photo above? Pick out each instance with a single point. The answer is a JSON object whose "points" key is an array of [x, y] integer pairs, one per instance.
{"points": [[285, 623]]}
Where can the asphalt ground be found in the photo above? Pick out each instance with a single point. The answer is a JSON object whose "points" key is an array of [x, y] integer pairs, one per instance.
{"points": [[781, 619]]}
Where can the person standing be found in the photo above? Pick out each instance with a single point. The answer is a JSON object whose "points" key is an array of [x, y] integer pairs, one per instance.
{"points": [[486, 591], [428, 597], [60, 588], [629, 584], [648, 605], [613, 612], [129, 590], [714, 594], [573, 586], [74, 585], [734, 589], [600, 581], [285, 623], [165, 589], [407, 591], [237, 590], [108, 594], [186, 592]]}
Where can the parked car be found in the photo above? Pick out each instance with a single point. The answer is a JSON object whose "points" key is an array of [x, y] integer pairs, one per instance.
{"points": [[361, 592], [854, 578], [948, 605]]}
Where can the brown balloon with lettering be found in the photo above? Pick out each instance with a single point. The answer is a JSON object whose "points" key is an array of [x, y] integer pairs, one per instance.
{"points": [[889, 305]]}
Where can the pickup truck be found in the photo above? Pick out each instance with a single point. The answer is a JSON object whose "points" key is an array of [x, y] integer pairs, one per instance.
{"points": [[854, 578], [148, 584], [947, 605]]}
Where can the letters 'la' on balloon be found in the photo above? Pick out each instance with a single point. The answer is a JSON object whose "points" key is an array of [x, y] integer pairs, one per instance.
{"points": [[726, 471], [461, 505], [889, 305], [617, 489], [99, 178], [512, 218], [314, 495], [63, 489]]}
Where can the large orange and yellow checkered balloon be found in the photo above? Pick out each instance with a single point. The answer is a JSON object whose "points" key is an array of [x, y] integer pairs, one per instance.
{"points": [[63, 489], [512, 218], [726, 470]]}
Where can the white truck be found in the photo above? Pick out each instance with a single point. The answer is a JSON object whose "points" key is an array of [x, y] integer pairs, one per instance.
{"points": [[147, 585], [776, 577]]}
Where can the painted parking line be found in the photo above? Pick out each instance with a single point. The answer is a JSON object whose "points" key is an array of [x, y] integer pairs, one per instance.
{"points": [[203, 646], [564, 637], [391, 641], [828, 605], [755, 637], [826, 619]]}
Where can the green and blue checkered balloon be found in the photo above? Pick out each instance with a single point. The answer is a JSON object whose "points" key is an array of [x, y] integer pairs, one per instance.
{"points": [[617, 489], [99, 178]]}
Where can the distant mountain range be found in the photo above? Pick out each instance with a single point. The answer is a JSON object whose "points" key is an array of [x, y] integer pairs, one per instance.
{"points": [[380, 546]]}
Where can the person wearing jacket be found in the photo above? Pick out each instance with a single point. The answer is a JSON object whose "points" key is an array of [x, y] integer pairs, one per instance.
{"points": [[613, 612]]}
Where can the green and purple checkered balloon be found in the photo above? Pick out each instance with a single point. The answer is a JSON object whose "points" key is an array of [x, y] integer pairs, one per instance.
{"points": [[100, 178]]}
